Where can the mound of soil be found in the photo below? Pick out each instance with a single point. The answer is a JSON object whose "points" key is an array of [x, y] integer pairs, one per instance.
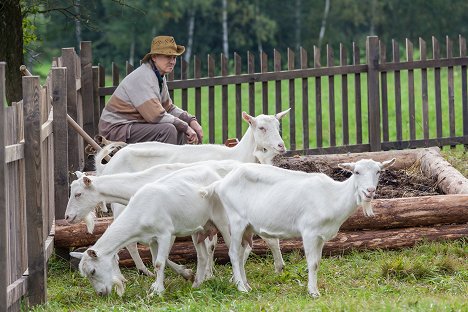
{"points": [[392, 184]]}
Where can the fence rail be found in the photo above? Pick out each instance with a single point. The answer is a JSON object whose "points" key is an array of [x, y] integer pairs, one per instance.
{"points": [[385, 103]]}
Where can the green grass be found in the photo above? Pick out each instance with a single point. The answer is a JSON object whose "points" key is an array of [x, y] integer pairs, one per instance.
{"points": [[428, 277]]}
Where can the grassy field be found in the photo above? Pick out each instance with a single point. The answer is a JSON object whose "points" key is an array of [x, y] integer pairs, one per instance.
{"points": [[428, 277]]}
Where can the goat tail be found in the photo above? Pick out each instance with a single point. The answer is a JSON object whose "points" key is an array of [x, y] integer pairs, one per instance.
{"points": [[209, 190]]}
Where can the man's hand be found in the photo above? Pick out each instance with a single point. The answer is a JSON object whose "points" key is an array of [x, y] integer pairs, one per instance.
{"points": [[191, 136], [198, 129]]}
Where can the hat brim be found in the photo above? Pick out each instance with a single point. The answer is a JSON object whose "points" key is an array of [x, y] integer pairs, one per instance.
{"points": [[180, 50]]}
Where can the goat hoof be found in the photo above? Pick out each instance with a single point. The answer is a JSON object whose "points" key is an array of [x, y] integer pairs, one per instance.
{"points": [[156, 289], [314, 294], [279, 269], [188, 275], [146, 272], [241, 287]]}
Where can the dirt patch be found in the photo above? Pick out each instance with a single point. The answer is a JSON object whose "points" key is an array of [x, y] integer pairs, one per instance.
{"points": [[393, 183]]}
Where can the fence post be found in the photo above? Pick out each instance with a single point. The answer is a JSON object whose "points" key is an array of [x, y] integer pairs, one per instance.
{"points": [[3, 214], [37, 280], [87, 87], [372, 54], [60, 128], [69, 61]]}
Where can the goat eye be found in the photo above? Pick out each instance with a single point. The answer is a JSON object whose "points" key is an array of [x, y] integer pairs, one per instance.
{"points": [[356, 172], [262, 128], [77, 195]]}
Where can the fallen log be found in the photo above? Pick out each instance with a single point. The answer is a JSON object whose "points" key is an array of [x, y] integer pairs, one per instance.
{"points": [[449, 179], [389, 213], [344, 242], [404, 158]]}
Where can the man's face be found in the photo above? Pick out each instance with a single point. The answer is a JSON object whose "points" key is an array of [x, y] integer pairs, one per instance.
{"points": [[164, 63]]}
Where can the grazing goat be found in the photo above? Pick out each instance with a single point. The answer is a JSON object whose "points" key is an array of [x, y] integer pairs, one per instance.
{"points": [[87, 191], [281, 203], [156, 214]]}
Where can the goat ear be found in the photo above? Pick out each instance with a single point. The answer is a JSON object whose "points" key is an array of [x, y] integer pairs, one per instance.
{"points": [[248, 118], [282, 114], [77, 255], [387, 163], [89, 150], [99, 138], [87, 181], [79, 174], [347, 166], [91, 253]]}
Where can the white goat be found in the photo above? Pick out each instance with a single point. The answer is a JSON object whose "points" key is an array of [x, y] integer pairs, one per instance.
{"points": [[157, 213], [87, 191], [281, 203], [262, 134]]}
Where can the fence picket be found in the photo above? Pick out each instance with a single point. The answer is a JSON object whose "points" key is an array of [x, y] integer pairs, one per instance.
{"points": [[331, 99], [251, 70], [197, 74], [384, 91], [4, 259], [292, 102], [184, 91], [462, 46], [224, 99], [305, 102], [438, 96], [264, 69], [411, 104], [451, 95], [372, 49], [398, 118], [318, 101], [237, 71], [344, 97], [357, 94], [211, 101], [277, 68], [424, 94]]}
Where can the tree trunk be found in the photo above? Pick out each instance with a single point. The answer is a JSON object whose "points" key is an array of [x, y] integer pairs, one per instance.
{"points": [[324, 22], [344, 242], [225, 30], [11, 47], [191, 27], [78, 25], [389, 213], [298, 10]]}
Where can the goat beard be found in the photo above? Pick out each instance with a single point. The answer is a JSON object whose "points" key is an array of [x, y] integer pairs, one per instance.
{"points": [[367, 208]]}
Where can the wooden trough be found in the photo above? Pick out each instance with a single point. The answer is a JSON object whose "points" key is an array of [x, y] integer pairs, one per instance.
{"points": [[399, 222]]}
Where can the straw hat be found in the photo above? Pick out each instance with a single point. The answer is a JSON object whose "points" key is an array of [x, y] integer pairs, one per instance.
{"points": [[165, 45]]}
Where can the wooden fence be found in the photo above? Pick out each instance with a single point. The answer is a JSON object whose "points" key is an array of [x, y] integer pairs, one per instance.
{"points": [[319, 121], [36, 162]]}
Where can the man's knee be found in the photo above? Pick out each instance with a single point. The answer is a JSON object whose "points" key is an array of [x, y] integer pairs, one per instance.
{"points": [[168, 134]]}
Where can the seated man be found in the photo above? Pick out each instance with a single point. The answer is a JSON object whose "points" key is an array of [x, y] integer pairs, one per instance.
{"points": [[141, 109]]}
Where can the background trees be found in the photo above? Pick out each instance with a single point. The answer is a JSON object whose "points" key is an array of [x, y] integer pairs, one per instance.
{"points": [[122, 29]]}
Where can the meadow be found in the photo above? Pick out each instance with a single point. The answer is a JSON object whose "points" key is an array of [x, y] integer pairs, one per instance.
{"points": [[432, 276]]}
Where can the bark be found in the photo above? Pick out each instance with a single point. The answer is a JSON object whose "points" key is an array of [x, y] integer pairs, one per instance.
{"points": [[11, 47], [225, 30], [404, 158], [343, 243], [389, 214], [324, 22], [191, 27], [449, 179]]}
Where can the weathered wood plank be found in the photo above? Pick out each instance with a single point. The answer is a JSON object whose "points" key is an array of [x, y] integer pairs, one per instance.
{"points": [[438, 96], [96, 106], [264, 69], [251, 70], [344, 98], [411, 104], [102, 83], [14, 152], [115, 74], [305, 102], [37, 266], [384, 91], [197, 75], [357, 95], [4, 271], [184, 76], [237, 71], [318, 101], [372, 55], [462, 46], [224, 100], [424, 92], [16, 290], [211, 101], [450, 91], [277, 68], [292, 102], [398, 119], [59, 101], [87, 96], [331, 99]]}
